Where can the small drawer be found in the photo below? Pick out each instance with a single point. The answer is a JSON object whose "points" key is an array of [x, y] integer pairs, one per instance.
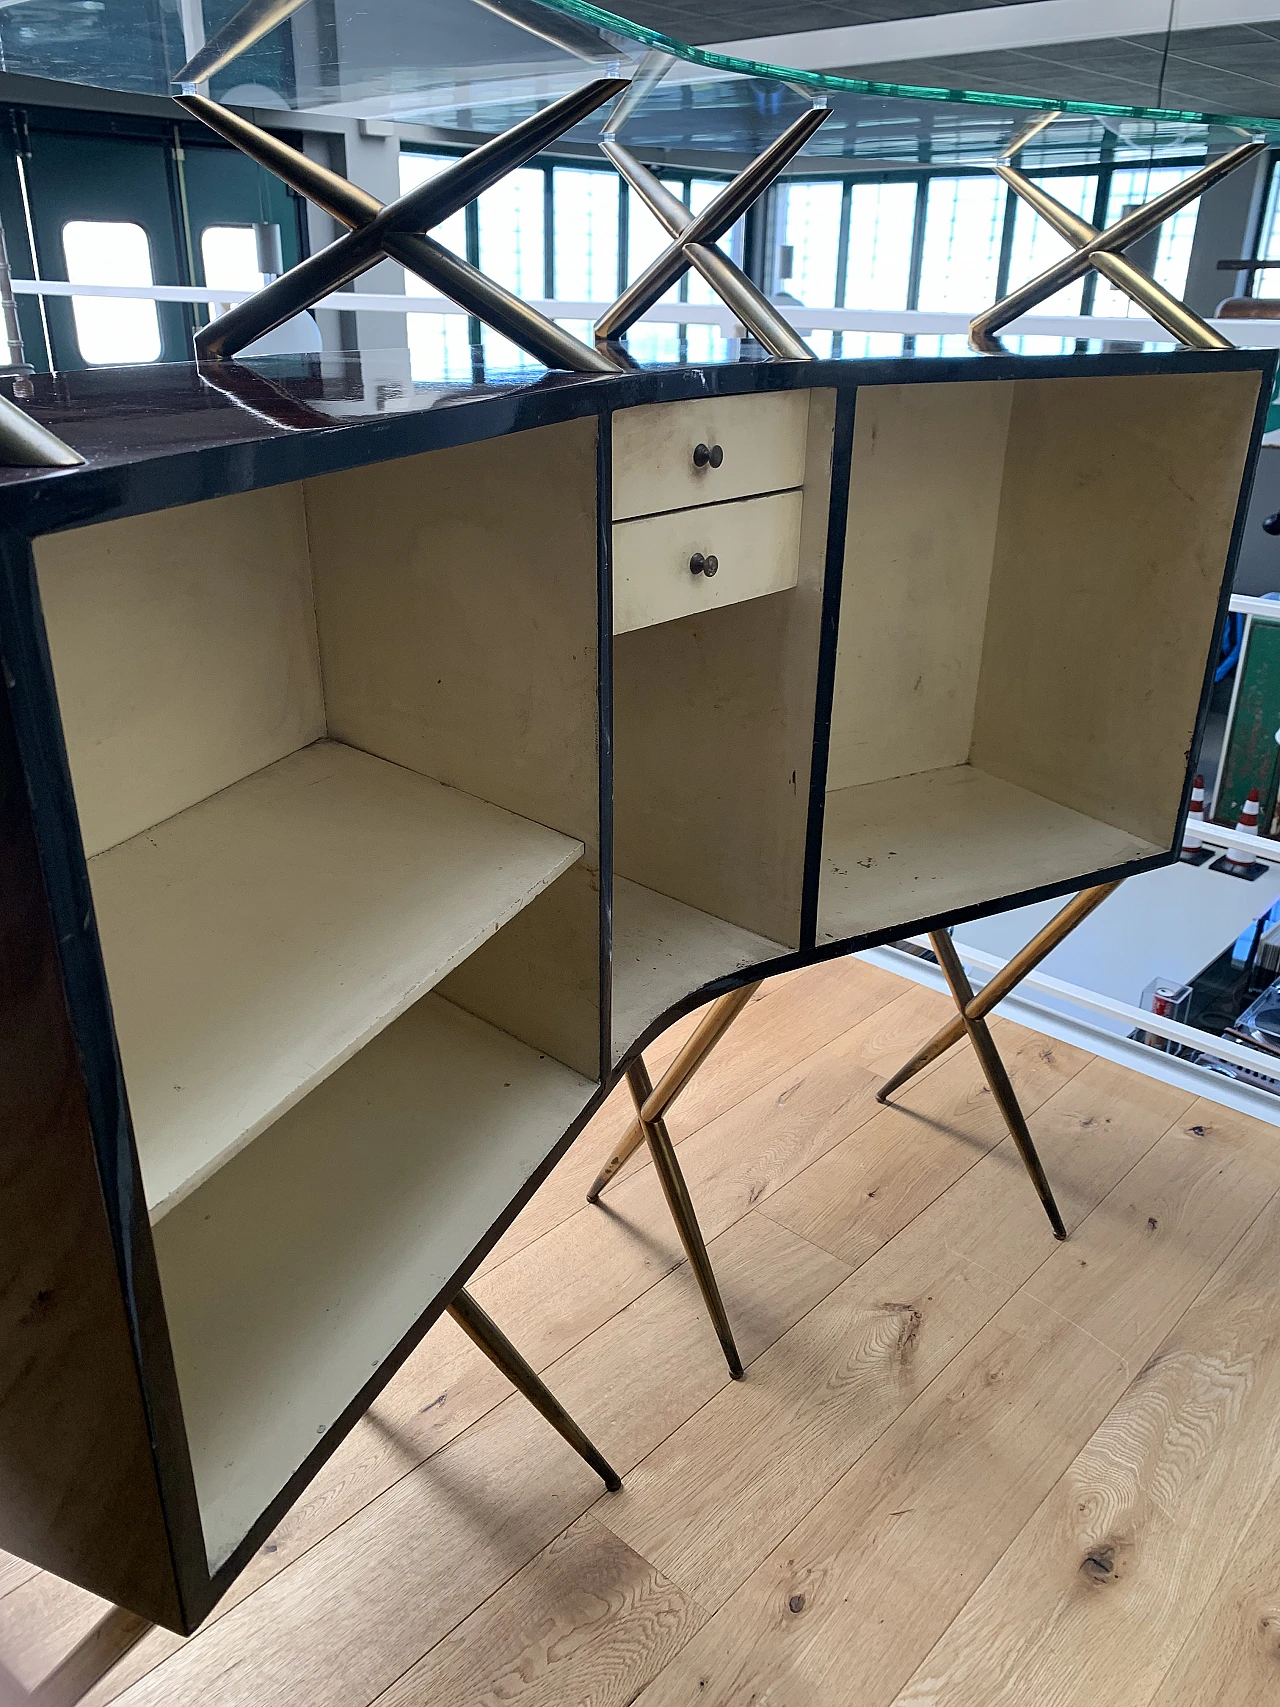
{"points": [[754, 444], [756, 544]]}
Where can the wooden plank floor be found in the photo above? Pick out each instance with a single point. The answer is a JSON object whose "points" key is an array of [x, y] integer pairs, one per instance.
{"points": [[967, 1465]]}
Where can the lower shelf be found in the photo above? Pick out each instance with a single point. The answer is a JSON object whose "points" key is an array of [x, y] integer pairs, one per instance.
{"points": [[663, 949], [293, 1272], [913, 846]]}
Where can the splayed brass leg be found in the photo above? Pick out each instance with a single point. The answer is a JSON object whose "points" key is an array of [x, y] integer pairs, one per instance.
{"points": [[996, 1076], [994, 991], [622, 1152], [680, 1204], [498, 1348], [708, 1032]]}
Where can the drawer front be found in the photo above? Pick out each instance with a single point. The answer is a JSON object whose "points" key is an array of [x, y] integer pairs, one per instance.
{"points": [[762, 438], [756, 544]]}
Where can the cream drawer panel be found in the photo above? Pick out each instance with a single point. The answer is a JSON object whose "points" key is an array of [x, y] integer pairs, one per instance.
{"points": [[756, 544], [762, 439]]}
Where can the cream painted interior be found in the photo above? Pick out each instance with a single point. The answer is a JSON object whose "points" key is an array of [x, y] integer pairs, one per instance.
{"points": [[713, 737], [1032, 569], [334, 749]]}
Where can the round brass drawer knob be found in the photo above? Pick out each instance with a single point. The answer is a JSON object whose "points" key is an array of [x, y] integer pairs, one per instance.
{"points": [[700, 565], [707, 456]]}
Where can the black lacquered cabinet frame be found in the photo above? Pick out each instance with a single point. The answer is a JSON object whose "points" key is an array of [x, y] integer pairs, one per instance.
{"points": [[377, 777]]}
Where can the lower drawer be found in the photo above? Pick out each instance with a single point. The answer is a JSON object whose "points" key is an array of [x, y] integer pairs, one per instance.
{"points": [[659, 562]]}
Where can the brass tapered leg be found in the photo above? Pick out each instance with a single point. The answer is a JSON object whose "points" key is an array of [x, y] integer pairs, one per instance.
{"points": [[996, 1076], [498, 1348], [710, 1029], [994, 991], [680, 1204], [622, 1152]]}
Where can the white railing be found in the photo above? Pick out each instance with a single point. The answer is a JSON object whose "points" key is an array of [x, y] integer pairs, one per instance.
{"points": [[1258, 334]]}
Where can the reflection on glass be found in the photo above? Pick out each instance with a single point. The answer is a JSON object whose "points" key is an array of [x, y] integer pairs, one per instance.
{"points": [[111, 331]]}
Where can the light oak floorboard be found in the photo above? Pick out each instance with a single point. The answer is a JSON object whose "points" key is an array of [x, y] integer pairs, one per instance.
{"points": [[890, 1555], [868, 1187], [713, 1500], [585, 1624], [1094, 1598], [1232, 1655], [13, 1572], [906, 1535], [367, 1602]]}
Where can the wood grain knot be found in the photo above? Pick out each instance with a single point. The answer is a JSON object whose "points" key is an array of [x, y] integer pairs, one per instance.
{"points": [[908, 1326], [796, 1603], [1099, 1564]]}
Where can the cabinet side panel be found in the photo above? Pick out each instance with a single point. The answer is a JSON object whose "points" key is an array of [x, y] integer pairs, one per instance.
{"points": [[539, 976], [456, 599], [184, 653], [456, 602], [713, 736], [924, 503], [78, 1491], [1120, 496]]}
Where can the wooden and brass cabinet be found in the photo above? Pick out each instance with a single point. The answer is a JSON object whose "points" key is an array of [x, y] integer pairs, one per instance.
{"points": [[375, 782]]}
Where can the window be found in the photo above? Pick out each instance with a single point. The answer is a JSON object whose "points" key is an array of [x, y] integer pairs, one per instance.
{"points": [[708, 343], [964, 222], [1173, 256], [111, 330], [439, 346], [1269, 242], [229, 254], [585, 237], [960, 266], [1036, 245], [646, 240], [882, 221], [809, 221]]}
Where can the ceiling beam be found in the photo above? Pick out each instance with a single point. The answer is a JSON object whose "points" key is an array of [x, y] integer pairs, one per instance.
{"points": [[993, 29]]}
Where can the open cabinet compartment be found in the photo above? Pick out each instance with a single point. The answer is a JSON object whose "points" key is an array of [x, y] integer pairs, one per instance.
{"points": [[713, 718], [335, 753], [1031, 573]]}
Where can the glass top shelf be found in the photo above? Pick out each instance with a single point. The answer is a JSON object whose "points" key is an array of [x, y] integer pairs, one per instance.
{"points": [[471, 68]]}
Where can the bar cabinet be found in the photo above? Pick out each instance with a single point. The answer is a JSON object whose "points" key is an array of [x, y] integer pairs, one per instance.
{"points": [[380, 768]]}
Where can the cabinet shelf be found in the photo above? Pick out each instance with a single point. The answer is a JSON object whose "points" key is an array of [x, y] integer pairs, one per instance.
{"points": [[255, 941], [663, 949], [912, 846], [294, 1271]]}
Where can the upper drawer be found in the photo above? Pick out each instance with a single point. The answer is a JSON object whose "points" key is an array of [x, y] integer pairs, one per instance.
{"points": [[762, 438], [756, 546]]}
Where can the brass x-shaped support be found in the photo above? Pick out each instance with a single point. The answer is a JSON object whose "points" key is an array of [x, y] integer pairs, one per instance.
{"points": [[399, 232], [1102, 250], [695, 239]]}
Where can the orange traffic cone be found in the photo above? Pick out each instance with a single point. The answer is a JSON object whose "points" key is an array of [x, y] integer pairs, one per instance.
{"points": [[1192, 841], [1236, 859]]}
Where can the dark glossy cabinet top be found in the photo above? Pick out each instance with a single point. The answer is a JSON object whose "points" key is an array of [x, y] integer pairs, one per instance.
{"points": [[174, 433]]}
